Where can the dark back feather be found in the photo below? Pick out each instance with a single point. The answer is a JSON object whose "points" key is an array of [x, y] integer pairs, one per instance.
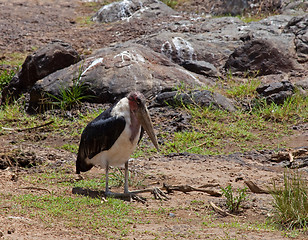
{"points": [[99, 135]]}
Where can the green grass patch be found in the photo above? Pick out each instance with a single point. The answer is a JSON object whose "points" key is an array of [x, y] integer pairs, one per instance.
{"points": [[84, 21], [215, 131], [291, 201], [246, 90], [84, 213], [5, 77], [294, 108], [170, 3], [13, 59], [70, 147], [221, 132]]}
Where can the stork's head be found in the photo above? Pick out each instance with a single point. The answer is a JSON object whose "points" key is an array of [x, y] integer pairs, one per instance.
{"points": [[137, 105]]}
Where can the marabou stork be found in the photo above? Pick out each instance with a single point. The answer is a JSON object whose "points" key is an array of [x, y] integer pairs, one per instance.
{"points": [[111, 138]]}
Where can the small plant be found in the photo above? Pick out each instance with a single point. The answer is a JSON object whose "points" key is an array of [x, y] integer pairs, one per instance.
{"points": [[71, 96], [234, 202], [5, 77], [291, 201], [245, 90]]}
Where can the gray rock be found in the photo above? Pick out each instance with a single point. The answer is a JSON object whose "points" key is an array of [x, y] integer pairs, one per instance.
{"points": [[112, 72], [294, 7], [233, 7], [46, 60], [202, 98], [276, 92], [127, 9], [302, 83], [238, 7], [214, 40], [259, 57], [213, 47], [201, 67], [302, 86], [299, 27]]}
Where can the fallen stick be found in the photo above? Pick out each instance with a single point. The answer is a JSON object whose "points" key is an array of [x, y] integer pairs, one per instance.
{"points": [[209, 185], [158, 194], [187, 188], [254, 188], [220, 211], [27, 129], [35, 188]]}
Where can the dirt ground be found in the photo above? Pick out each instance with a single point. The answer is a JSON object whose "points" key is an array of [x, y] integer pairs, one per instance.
{"points": [[27, 25]]}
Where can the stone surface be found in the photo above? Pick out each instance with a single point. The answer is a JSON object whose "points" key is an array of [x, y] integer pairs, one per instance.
{"points": [[202, 98], [299, 27], [259, 57], [232, 7], [201, 67], [208, 40], [112, 72], [127, 9], [214, 40], [302, 83], [276, 92], [46, 60]]}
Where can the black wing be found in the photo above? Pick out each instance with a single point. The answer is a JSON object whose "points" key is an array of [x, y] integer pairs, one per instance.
{"points": [[98, 136]]}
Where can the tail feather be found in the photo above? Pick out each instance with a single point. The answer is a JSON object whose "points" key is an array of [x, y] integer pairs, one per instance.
{"points": [[81, 164]]}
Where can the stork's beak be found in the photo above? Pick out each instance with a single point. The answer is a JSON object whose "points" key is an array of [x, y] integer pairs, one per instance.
{"points": [[144, 118]]}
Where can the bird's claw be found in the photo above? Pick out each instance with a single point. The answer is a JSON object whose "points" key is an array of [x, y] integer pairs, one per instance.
{"points": [[138, 198]]}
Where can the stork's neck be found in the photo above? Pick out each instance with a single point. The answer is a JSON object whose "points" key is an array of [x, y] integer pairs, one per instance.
{"points": [[134, 126]]}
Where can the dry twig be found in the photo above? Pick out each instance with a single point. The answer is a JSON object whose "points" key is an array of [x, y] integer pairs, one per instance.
{"points": [[220, 211], [36, 188], [254, 188], [187, 188], [27, 129]]}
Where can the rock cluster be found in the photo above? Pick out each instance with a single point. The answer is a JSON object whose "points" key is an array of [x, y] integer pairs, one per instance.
{"points": [[184, 49], [276, 92]]}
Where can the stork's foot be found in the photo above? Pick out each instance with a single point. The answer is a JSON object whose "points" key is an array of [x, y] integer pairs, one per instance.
{"points": [[128, 196]]}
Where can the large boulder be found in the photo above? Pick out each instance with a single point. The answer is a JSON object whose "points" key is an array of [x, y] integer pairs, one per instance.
{"points": [[212, 41], [202, 98], [232, 7], [112, 72], [127, 9], [44, 61], [259, 57]]}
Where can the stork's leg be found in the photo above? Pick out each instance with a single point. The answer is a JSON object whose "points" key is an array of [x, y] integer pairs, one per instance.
{"points": [[107, 171], [126, 178]]}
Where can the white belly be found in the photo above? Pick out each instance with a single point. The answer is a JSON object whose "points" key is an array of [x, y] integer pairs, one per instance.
{"points": [[120, 151]]}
